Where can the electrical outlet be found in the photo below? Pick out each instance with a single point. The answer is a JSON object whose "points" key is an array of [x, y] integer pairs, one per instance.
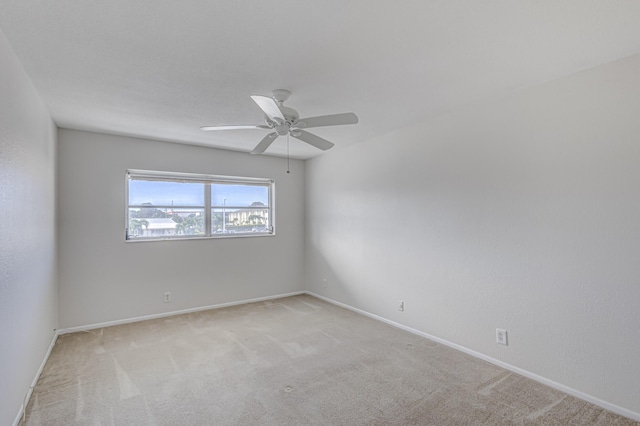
{"points": [[167, 297], [400, 305], [324, 282], [501, 336]]}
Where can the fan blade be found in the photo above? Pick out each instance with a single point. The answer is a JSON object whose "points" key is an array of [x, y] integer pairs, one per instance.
{"points": [[312, 139], [209, 128], [264, 143], [327, 120], [270, 108]]}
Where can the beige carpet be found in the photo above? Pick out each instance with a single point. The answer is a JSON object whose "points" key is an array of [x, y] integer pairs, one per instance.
{"points": [[292, 361]]}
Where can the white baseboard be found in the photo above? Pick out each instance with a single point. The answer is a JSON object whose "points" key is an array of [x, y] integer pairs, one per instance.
{"points": [[27, 397], [559, 386], [172, 313]]}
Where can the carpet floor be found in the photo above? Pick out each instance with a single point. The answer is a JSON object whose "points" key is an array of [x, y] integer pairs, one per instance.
{"points": [[291, 361]]}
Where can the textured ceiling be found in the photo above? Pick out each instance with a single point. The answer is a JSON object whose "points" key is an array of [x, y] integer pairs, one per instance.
{"points": [[163, 68]]}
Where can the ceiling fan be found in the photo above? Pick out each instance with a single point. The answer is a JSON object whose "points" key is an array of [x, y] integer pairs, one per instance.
{"points": [[287, 121]]}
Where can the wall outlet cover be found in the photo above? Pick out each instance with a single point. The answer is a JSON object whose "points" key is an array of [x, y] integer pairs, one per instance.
{"points": [[501, 336]]}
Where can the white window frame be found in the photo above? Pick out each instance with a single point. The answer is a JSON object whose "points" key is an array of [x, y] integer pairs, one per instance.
{"points": [[207, 180]]}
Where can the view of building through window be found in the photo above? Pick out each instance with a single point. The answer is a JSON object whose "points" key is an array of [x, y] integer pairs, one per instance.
{"points": [[173, 205]]}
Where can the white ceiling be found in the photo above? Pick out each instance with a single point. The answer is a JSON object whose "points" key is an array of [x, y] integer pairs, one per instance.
{"points": [[163, 68]]}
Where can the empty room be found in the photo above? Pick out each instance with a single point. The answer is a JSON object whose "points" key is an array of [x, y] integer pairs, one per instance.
{"points": [[319, 212]]}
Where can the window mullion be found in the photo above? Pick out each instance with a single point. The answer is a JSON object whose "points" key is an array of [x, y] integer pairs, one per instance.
{"points": [[207, 209]]}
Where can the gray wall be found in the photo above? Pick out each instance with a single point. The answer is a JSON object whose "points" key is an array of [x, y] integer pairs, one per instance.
{"points": [[28, 292], [520, 213], [103, 278]]}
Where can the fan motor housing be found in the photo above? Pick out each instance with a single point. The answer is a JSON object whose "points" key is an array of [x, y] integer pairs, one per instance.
{"points": [[282, 129], [290, 114]]}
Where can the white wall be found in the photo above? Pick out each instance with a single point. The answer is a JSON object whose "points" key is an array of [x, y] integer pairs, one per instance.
{"points": [[103, 278], [28, 288], [521, 213]]}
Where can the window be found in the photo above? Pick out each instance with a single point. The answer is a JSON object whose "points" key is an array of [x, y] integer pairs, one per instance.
{"points": [[164, 205]]}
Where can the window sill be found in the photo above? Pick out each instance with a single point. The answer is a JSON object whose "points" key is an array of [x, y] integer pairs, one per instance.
{"points": [[209, 237]]}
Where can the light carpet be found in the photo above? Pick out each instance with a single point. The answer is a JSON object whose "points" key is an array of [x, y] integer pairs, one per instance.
{"points": [[290, 361]]}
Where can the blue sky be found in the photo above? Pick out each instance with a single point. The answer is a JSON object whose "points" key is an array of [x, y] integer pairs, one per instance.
{"points": [[192, 194], [239, 195]]}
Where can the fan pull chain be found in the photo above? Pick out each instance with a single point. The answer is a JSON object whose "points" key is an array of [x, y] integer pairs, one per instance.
{"points": [[288, 171]]}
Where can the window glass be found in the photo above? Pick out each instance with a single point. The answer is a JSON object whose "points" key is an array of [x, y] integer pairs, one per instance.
{"points": [[234, 221], [159, 193], [163, 205]]}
